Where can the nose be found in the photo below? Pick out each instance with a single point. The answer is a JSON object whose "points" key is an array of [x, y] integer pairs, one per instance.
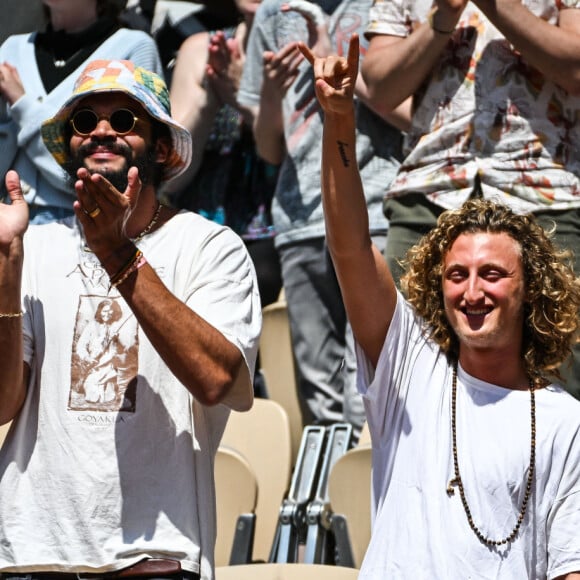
{"points": [[103, 128], [474, 291]]}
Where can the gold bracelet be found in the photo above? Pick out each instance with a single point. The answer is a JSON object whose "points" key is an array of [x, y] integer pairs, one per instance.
{"points": [[11, 314], [431, 20], [137, 263]]}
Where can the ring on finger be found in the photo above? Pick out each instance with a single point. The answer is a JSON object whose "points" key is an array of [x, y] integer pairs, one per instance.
{"points": [[93, 213]]}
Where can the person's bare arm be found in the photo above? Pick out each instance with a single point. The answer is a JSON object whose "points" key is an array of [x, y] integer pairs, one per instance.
{"points": [[571, 576], [196, 352], [366, 284], [395, 67], [553, 50], [13, 371], [193, 103], [399, 117], [280, 71]]}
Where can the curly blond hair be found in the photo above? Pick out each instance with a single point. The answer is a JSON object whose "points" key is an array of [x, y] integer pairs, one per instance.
{"points": [[552, 289]]}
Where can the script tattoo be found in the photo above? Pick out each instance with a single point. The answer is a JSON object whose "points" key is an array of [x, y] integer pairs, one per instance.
{"points": [[342, 152]]}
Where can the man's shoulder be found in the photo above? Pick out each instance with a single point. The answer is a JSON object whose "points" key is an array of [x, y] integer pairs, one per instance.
{"points": [[556, 397], [560, 410], [193, 225], [130, 37]]}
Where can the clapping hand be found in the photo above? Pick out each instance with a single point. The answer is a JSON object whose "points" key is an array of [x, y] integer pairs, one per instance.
{"points": [[280, 71], [13, 216], [224, 67], [103, 211], [11, 87]]}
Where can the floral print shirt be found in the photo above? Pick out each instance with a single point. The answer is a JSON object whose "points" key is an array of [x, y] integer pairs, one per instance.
{"points": [[486, 112]]}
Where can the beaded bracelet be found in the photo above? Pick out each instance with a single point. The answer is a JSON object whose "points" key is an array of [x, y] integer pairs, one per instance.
{"points": [[139, 261], [123, 269], [11, 314]]}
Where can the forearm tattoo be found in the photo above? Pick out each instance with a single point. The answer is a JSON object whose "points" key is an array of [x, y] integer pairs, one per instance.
{"points": [[342, 149]]}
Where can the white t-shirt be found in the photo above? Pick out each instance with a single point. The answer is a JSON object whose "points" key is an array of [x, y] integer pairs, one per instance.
{"points": [[111, 458], [419, 531]]}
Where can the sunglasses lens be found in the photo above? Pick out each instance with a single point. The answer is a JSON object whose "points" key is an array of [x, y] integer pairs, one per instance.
{"points": [[84, 121], [122, 121]]}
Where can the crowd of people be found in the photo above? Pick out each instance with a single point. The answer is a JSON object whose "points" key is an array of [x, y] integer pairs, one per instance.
{"points": [[404, 170]]}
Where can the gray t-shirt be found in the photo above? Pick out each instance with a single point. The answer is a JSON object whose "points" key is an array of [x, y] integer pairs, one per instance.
{"points": [[297, 206]]}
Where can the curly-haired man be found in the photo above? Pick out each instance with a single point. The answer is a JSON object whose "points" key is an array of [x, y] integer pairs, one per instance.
{"points": [[475, 450]]}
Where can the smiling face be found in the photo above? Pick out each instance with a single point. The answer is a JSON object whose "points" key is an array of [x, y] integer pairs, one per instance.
{"points": [[483, 292], [103, 150], [111, 154]]}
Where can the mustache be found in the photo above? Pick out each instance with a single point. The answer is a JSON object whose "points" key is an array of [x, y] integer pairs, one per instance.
{"points": [[113, 147]]}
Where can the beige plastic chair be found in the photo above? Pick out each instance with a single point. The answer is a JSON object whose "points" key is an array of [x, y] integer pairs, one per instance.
{"points": [[365, 435], [286, 572], [349, 491], [262, 436], [236, 496], [277, 366], [3, 433]]}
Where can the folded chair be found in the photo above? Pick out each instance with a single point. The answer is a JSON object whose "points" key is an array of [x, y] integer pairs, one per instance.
{"points": [[349, 491], [3, 433], [262, 436], [236, 496], [277, 366]]}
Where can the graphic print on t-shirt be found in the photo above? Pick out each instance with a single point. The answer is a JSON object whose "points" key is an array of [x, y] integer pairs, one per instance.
{"points": [[104, 356]]}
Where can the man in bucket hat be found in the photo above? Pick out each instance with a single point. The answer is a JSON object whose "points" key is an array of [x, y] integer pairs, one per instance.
{"points": [[138, 329]]}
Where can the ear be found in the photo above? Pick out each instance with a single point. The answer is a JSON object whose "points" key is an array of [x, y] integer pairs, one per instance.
{"points": [[162, 149]]}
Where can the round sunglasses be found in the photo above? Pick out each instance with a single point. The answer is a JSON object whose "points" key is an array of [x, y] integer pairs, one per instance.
{"points": [[85, 121]]}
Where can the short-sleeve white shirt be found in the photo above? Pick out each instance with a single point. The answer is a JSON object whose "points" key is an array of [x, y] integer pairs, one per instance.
{"points": [[420, 531]]}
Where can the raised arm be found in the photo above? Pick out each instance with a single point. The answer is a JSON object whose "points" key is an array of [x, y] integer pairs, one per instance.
{"points": [[210, 366], [367, 286], [13, 372]]}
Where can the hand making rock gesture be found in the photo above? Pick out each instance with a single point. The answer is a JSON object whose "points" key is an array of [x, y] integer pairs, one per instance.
{"points": [[335, 77]]}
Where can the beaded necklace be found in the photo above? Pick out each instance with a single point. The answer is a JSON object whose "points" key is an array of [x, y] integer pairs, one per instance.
{"points": [[150, 225], [144, 232], [459, 482]]}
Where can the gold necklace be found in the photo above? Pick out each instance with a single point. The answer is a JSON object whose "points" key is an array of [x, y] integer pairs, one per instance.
{"points": [[459, 483], [147, 229], [150, 225]]}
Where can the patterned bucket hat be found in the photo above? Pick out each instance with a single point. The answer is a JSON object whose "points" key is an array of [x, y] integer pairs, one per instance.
{"points": [[145, 87]]}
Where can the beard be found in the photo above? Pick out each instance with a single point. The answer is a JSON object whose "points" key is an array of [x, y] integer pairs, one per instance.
{"points": [[145, 163]]}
